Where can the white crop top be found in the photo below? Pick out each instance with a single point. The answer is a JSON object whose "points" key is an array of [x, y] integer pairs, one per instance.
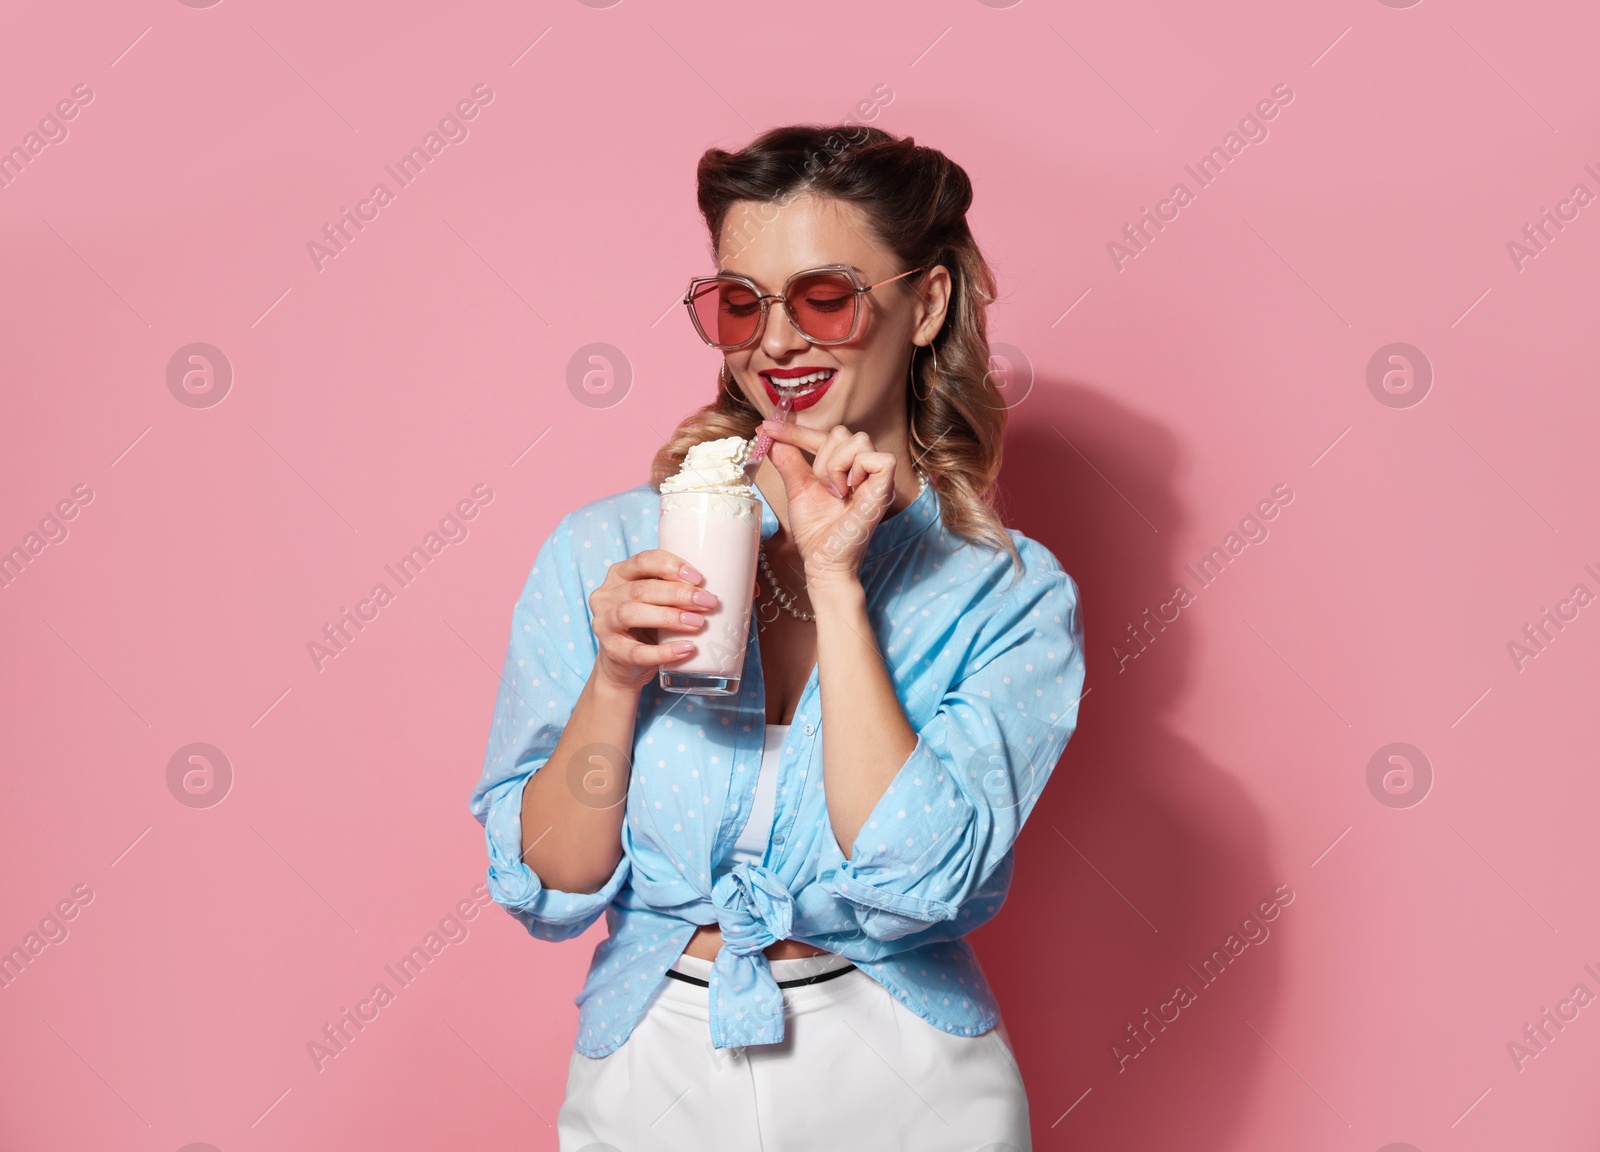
{"points": [[752, 842]]}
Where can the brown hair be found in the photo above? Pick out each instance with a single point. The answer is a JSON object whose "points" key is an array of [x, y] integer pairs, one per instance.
{"points": [[915, 200]]}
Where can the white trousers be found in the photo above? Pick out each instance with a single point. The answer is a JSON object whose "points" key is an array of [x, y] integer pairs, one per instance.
{"points": [[857, 1071]]}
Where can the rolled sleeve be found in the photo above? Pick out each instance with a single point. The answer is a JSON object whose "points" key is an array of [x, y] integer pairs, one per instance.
{"points": [[951, 814], [548, 658], [547, 913]]}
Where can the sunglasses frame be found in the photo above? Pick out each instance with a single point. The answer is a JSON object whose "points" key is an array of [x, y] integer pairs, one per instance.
{"points": [[764, 299]]}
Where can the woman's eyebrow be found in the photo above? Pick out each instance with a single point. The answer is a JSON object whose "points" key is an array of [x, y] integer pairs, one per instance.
{"points": [[754, 280], [773, 291]]}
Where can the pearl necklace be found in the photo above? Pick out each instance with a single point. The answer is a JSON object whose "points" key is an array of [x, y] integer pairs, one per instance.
{"points": [[784, 597]]}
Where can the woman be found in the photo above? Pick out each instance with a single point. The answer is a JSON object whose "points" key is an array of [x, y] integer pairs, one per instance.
{"points": [[788, 873]]}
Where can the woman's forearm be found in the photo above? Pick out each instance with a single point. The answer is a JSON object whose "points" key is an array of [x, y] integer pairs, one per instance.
{"points": [[572, 812], [865, 734]]}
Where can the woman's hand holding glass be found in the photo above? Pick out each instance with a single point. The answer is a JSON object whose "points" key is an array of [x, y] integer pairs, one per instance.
{"points": [[651, 591]]}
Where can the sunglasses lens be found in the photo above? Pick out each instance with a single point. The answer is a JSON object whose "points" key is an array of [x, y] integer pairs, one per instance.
{"points": [[824, 305], [727, 311]]}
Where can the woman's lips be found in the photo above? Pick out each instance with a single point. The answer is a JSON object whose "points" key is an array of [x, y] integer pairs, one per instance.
{"points": [[803, 401]]}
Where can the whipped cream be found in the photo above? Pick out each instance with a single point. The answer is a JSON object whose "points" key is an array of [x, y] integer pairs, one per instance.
{"points": [[713, 466]]}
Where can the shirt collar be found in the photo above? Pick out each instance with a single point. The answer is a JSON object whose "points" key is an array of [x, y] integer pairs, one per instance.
{"points": [[894, 530]]}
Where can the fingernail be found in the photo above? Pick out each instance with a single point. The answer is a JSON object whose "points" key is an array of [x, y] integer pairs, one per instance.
{"points": [[692, 618], [691, 574], [684, 646], [835, 490], [707, 599], [771, 425]]}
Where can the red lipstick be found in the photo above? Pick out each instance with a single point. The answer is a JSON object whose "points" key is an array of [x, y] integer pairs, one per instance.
{"points": [[805, 400]]}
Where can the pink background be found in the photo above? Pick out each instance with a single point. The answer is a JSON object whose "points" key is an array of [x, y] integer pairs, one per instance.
{"points": [[1167, 398]]}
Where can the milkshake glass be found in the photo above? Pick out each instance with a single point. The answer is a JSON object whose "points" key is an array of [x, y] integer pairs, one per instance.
{"points": [[711, 517]]}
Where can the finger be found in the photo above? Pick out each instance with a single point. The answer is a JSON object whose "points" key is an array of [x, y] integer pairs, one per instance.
{"points": [[632, 653], [659, 563], [861, 448], [675, 592], [878, 484], [858, 473], [631, 614], [799, 435], [872, 495], [821, 461], [792, 466], [858, 467], [836, 458]]}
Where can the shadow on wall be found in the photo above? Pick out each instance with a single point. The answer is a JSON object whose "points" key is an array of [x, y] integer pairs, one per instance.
{"points": [[1135, 806]]}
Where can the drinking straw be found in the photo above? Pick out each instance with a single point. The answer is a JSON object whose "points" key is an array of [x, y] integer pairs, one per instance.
{"points": [[786, 398]]}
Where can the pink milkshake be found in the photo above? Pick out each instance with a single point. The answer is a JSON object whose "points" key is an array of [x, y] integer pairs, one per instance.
{"points": [[711, 517]]}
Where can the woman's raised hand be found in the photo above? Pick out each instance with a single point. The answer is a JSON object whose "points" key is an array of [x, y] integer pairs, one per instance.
{"points": [[653, 590], [837, 499]]}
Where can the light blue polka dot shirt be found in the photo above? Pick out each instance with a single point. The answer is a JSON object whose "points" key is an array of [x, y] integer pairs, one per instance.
{"points": [[989, 672]]}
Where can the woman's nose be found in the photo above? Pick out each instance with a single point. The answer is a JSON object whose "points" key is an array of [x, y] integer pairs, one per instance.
{"points": [[781, 336]]}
